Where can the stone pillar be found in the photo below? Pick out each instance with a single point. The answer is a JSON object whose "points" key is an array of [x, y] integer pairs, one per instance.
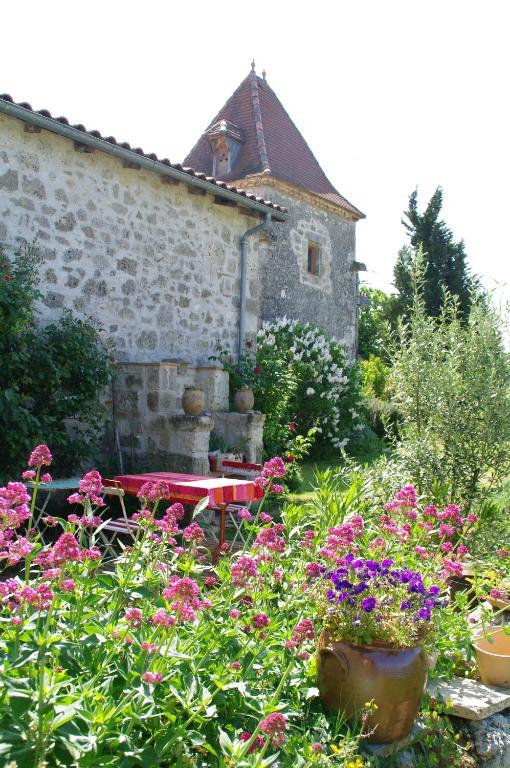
{"points": [[242, 431], [188, 443]]}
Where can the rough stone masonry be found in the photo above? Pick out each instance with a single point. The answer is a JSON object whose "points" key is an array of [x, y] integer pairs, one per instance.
{"points": [[156, 265]]}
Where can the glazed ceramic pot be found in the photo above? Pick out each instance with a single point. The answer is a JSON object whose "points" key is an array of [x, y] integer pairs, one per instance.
{"points": [[244, 400], [193, 401], [493, 657], [351, 675]]}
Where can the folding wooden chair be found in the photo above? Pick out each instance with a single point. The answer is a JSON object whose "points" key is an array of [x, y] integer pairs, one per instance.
{"points": [[114, 527]]}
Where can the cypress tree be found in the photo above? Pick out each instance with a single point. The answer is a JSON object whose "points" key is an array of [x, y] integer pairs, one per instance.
{"points": [[445, 261]]}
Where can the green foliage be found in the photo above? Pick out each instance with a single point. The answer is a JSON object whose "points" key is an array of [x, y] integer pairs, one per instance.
{"points": [[375, 322], [445, 267], [450, 381], [51, 376], [381, 412]]}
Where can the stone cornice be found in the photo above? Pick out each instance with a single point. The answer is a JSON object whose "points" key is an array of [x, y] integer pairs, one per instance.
{"points": [[293, 191]]}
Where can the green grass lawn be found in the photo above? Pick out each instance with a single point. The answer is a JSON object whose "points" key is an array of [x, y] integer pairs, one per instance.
{"points": [[364, 451]]}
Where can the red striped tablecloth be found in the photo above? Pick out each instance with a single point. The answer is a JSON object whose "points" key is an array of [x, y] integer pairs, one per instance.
{"points": [[189, 489]]}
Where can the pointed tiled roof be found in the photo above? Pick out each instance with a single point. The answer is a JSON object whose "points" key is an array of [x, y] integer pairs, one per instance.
{"points": [[272, 143]]}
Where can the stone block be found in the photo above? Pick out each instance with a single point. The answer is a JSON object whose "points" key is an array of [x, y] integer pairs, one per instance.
{"points": [[242, 431], [470, 699], [214, 381], [387, 750]]}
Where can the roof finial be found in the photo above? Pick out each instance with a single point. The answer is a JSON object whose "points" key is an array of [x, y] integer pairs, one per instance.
{"points": [[253, 65], [264, 73]]}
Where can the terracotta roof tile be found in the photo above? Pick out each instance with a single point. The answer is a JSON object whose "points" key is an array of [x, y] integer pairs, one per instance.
{"points": [[272, 143], [139, 151]]}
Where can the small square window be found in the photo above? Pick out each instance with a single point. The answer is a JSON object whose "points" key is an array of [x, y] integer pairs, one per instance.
{"points": [[314, 253]]}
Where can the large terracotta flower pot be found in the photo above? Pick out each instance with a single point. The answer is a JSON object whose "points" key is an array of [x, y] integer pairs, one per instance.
{"points": [[493, 657], [351, 675], [244, 400], [193, 401]]}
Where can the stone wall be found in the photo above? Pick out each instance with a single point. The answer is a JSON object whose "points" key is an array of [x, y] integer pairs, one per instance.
{"points": [[157, 265], [288, 289], [146, 398]]}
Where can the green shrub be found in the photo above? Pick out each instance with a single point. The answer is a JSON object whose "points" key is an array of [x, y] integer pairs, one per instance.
{"points": [[51, 376], [450, 382]]}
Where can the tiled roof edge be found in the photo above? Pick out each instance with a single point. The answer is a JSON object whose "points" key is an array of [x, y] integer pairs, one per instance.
{"points": [[44, 119]]}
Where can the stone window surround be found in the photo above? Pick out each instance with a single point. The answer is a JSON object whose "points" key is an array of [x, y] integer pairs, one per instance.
{"points": [[319, 241]]}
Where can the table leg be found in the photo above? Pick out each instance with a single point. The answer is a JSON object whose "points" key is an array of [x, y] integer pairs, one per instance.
{"points": [[221, 536]]}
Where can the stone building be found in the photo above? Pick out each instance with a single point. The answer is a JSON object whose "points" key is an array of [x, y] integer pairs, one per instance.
{"points": [[309, 272], [170, 260]]}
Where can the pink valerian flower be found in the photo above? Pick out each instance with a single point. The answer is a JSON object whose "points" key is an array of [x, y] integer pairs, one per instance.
{"points": [[154, 491], [496, 594], [275, 725], [162, 619], [446, 547], [316, 747], [277, 574], [133, 617], [276, 488], [40, 597], [68, 585], [274, 468], [234, 613], [46, 478], [260, 620], [210, 581], [65, 549], [261, 482], [462, 550], [41, 455], [193, 532], [271, 538], [28, 474], [49, 521], [258, 741], [235, 665], [403, 501], [313, 570], [94, 553], [446, 531], [85, 521], [243, 569], [303, 631], [244, 514], [265, 518], [90, 490], [152, 677], [502, 552], [149, 647], [178, 588], [451, 568]]}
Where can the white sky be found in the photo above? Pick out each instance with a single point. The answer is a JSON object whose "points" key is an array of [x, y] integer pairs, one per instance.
{"points": [[389, 95]]}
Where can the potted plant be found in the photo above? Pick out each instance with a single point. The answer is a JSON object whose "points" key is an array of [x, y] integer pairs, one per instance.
{"points": [[492, 649], [242, 377], [378, 623]]}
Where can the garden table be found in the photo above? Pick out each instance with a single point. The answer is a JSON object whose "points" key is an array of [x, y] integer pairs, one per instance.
{"points": [[190, 489], [68, 484]]}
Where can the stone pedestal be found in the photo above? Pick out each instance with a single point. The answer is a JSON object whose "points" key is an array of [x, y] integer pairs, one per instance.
{"points": [[188, 443], [242, 431]]}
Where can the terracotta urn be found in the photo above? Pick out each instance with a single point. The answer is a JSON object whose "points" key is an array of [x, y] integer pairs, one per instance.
{"points": [[244, 400], [193, 401], [351, 675], [493, 657]]}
